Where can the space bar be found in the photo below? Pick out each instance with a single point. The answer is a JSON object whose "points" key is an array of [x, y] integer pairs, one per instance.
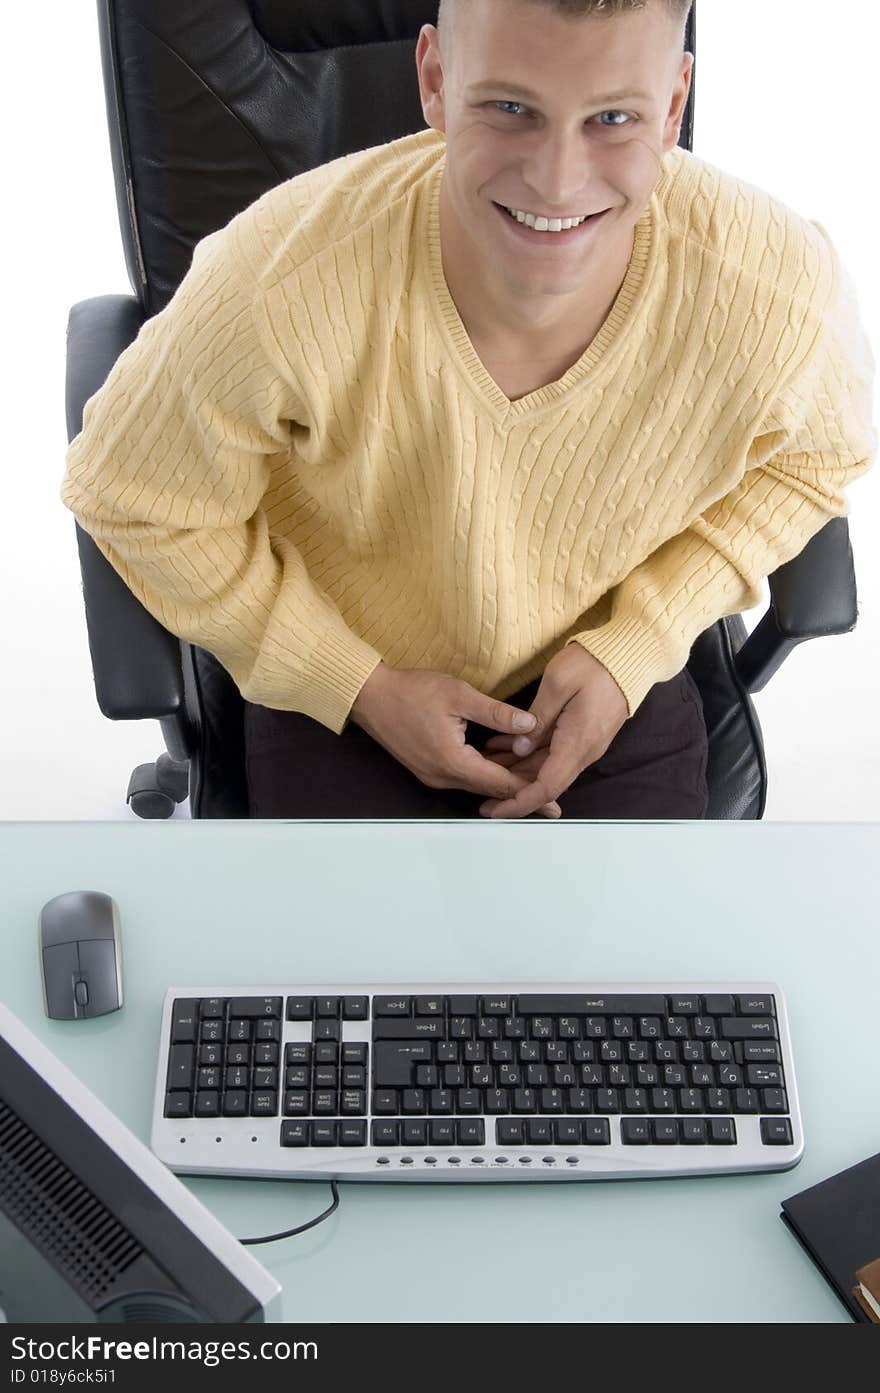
{"points": [[553, 1004]]}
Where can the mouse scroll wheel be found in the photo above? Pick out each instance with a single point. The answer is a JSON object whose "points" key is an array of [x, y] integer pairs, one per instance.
{"points": [[81, 992]]}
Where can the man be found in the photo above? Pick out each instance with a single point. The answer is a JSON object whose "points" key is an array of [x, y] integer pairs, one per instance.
{"points": [[408, 450]]}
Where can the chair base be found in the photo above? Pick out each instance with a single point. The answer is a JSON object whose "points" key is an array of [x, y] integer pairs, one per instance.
{"points": [[154, 790]]}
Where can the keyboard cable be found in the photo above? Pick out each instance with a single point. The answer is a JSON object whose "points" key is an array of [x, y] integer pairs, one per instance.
{"points": [[289, 1233]]}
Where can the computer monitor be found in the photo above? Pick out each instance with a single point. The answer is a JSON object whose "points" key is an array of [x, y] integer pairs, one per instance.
{"points": [[92, 1226]]}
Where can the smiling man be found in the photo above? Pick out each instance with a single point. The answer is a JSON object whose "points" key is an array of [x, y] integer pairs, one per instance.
{"points": [[473, 433]]}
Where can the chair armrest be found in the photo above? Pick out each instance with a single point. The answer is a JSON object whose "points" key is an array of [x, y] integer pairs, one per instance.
{"points": [[811, 596], [135, 661]]}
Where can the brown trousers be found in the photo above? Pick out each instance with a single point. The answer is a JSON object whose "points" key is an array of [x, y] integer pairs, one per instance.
{"points": [[654, 768]]}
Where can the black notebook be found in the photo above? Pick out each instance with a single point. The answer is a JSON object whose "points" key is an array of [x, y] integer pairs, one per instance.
{"points": [[838, 1223]]}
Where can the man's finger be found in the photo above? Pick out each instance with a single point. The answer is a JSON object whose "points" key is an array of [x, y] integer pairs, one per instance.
{"points": [[495, 715], [557, 774], [479, 775]]}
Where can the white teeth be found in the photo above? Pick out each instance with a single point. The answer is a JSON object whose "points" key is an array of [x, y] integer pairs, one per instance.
{"points": [[545, 224]]}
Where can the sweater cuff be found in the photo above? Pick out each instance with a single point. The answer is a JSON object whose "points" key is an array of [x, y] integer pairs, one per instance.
{"points": [[337, 669], [631, 654]]}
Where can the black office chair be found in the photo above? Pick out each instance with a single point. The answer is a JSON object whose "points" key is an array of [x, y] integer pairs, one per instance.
{"points": [[210, 103]]}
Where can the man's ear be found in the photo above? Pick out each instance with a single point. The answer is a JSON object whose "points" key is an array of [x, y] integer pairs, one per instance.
{"points": [[430, 73], [680, 96]]}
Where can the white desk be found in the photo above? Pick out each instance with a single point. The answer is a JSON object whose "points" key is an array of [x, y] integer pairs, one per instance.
{"points": [[242, 901]]}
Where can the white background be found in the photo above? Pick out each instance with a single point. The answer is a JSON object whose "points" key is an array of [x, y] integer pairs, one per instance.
{"points": [[786, 99]]}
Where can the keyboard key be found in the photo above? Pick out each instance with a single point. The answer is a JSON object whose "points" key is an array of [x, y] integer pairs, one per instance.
{"points": [[404, 1028], [391, 1006], [299, 1077], [462, 1006], [497, 1100], [264, 1103], [665, 1131], [325, 1076], [690, 1100], [327, 1006], [429, 1006], [693, 1131], [324, 1102], [745, 1100], [384, 1133], [385, 1101], [210, 1054], [296, 1103], [264, 1077], [538, 1131], [764, 1075], [352, 1134], [181, 1066], [298, 1054], [355, 1008], [238, 1031], [235, 1101], [178, 1104], [323, 1133], [208, 1078], [607, 1100], [440, 1133], [635, 1131], [354, 1053], [412, 1100], [567, 1132], [776, 1131], [773, 1100], [238, 1076], [597, 1131], [300, 1007], [184, 1021], [635, 1100], [718, 1005], [238, 1054], [251, 1007], [755, 1006], [327, 1052], [684, 1006], [415, 1133], [353, 1102], [524, 1100], [211, 1032], [510, 1131], [393, 1064], [561, 1004], [212, 1008], [758, 1028], [468, 1100], [326, 1030], [753, 1053], [266, 1053], [722, 1131], [471, 1132], [294, 1134], [441, 1100]]}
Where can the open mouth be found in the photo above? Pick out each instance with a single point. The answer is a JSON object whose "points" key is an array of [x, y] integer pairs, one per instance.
{"points": [[564, 236]]}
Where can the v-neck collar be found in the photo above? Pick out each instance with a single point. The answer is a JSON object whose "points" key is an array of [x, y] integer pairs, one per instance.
{"points": [[638, 276]]}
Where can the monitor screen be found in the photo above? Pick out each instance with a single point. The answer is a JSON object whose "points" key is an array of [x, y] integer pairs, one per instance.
{"points": [[92, 1226]]}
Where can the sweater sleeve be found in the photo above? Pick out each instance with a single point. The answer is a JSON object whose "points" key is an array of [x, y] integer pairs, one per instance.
{"points": [[168, 475], [816, 437]]}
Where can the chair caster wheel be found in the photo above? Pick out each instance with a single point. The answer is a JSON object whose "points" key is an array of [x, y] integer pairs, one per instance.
{"points": [[154, 790]]}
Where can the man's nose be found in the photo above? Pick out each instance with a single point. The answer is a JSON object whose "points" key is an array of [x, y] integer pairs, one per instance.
{"points": [[558, 169]]}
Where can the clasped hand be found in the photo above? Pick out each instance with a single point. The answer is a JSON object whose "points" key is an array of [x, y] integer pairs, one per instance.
{"points": [[579, 709], [420, 717]]}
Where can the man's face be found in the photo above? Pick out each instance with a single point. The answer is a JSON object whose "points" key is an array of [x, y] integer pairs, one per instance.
{"points": [[607, 100]]}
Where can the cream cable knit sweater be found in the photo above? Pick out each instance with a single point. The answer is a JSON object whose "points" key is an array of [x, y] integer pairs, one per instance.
{"points": [[302, 465]]}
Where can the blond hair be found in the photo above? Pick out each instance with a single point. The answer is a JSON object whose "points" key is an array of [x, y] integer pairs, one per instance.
{"points": [[575, 9]]}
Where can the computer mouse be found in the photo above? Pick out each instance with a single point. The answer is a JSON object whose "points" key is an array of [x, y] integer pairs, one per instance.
{"points": [[80, 955]]}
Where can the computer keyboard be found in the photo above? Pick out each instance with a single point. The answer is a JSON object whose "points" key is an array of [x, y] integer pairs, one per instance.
{"points": [[497, 1081]]}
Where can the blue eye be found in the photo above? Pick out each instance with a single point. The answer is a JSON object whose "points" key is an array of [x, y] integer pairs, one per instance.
{"points": [[506, 113], [615, 126]]}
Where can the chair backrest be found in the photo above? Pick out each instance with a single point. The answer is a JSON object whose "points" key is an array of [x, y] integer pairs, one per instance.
{"points": [[211, 103]]}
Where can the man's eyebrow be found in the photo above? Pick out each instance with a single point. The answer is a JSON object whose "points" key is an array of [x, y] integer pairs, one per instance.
{"points": [[493, 85]]}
